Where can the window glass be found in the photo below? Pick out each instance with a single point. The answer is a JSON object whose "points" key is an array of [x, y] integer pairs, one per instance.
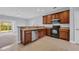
{"points": [[5, 26]]}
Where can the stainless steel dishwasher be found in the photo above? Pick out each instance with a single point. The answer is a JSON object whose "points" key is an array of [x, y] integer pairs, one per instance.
{"points": [[34, 35]]}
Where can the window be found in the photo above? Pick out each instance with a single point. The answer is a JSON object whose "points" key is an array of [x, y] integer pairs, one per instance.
{"points": [[5, 26]]}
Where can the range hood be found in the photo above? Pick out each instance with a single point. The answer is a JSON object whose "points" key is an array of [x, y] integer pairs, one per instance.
{"points": [[55, 21]]}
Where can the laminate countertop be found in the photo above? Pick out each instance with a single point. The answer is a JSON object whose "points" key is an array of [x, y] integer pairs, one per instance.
{"points": [[35, 28]]}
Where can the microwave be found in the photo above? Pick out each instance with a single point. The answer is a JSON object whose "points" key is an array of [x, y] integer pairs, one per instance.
{"points": [[55, 21]]}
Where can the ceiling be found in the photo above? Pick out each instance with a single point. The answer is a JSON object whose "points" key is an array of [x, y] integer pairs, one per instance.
{"points": [[26, 12]]}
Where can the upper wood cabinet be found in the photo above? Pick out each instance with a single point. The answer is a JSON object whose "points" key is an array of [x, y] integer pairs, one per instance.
{"points": [[57, 15], [64, 17], [47, 19], [53, 16], [44, 19]]}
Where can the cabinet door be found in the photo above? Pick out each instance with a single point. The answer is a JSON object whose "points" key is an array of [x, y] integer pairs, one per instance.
{"points": [[53, 16], [41, 33], [57, 16], [27, 37], [64, 17], [44, 19], [49, 32], [64, 34], [49, 19]]}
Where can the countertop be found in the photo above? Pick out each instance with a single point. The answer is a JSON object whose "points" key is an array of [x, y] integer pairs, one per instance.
{"points": [[34, 28], [65, 28]]}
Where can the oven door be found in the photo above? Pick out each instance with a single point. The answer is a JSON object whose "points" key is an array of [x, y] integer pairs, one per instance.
{"points": [[55, 33]]}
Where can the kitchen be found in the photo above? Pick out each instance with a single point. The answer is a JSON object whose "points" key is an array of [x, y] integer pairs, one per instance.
{"points": [[58, 28], [44, 29]]}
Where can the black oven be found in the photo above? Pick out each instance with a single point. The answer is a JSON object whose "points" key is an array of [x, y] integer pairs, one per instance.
{"points": [[55, 31]]}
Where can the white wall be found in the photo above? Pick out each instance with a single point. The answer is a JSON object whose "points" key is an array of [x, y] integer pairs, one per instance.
{"points": [[15, 21], [36, 21], [74, 25]]}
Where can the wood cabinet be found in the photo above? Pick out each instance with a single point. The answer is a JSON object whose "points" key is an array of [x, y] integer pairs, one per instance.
{"points": [[57, 15], [64, 17], [26, 36], [53, 16], [64, 34], [44, 19], [47, 19], [41, 33], [49, 32]]}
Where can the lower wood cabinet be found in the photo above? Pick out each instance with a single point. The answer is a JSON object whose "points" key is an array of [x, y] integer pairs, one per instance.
{"points": [[41, 33], [49, 32], [26, 36], [64, 34]]}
